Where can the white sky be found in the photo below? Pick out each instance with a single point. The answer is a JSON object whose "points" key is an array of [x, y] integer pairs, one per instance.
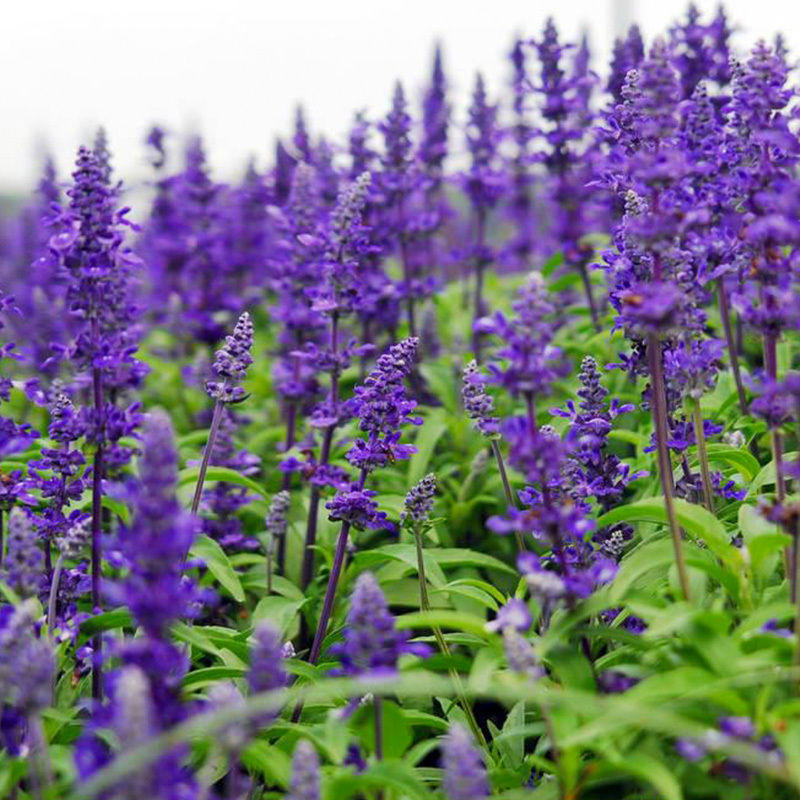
{"points": [[235, 69]]}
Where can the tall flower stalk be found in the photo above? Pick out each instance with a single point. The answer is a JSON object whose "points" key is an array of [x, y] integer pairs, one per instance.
{"points": [[89, 245], [382, 408], [230, 365], [483, 185], [338, 297]]}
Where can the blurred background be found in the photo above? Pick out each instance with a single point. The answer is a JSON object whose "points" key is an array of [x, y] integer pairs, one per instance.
{"points": [[234, 71]]}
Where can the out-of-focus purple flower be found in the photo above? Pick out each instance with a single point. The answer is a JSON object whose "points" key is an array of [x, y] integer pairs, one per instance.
{"points": [[362, 155], [300, 138], [27, 662], [432, 149], [464, 773], [527, 363], [22, 567], [160, 536], [699, 50], [266, 672], [628, 53], [690, 749], [515, 614], [483, 182], [155, 142], [372, 645], [520, 655], [304, 783], [613, 681]]}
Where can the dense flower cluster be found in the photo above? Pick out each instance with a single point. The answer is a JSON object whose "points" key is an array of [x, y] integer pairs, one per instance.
{"points": [[157, 608]]}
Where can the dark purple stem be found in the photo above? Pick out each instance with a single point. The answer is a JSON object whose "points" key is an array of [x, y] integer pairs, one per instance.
{"points": [[330, 594], [97, 554], [216, 419], [658, 405]]}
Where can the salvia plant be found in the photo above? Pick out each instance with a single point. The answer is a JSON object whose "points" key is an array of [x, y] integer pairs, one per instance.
{"points": [[454, 458]]}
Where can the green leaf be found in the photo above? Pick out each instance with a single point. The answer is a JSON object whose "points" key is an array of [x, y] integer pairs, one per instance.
{"points": [[694, 519], [425, 442], [218, 565], [766, 476], [652, 771], [742, 460], [190, 475], [461, 557], [406, 554], [454, 620], [107, 621]]}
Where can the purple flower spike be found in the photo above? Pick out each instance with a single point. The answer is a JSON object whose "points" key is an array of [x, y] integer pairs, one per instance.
{"points": [[419, 500], [161, 534], [304, 783], [23, 566], [232, 361], [464, 772], [372, 645], [477, 403]]}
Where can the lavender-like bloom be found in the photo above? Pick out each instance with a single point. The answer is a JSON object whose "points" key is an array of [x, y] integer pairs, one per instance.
{"points": [[435, 123], [515, 614], [464, 772], [419, 500], [22, 568], [90, 247], [371, 643], [161, 534], [397, 180], [60, 481], [362, 155], [266, 672], [520, 655], [276, 521], [628, 53], [305, 773], [700, 51], [300, 138], [483, 184], [567, 115], [477, 403], [231, 363], [528, 362], [27, 663], [383, 407], [593, 471], [186, 252]]}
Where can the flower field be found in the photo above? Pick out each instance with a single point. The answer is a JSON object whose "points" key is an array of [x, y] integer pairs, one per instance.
{"points": [[455, 458]]}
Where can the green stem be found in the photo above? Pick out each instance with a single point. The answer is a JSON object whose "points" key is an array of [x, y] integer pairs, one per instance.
{"points": [[498, 457], [702, 456], [425, 605]]}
